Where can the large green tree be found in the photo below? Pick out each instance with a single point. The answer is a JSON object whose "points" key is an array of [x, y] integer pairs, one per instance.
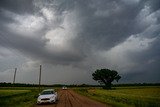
{"points": [[106, 77]]}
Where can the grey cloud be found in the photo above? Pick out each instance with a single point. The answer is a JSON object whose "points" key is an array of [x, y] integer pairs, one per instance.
{"points": [[18, 6], [154, 4], [98, 26], [104, 32], [36, 46], [36, 49]]}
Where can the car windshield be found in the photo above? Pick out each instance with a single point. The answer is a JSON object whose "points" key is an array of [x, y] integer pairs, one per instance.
{"points": [[47, 92]]}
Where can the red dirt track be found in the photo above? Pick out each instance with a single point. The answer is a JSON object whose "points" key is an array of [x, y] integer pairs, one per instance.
{"points": [[68, 98]]}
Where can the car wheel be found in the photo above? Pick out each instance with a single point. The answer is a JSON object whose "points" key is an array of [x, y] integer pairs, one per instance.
{"points": [[38, 103]]}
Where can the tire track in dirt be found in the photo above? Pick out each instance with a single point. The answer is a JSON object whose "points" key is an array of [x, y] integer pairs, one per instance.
{"points": [[84, 101], [69, 103], [59, 96], [75, 100]]}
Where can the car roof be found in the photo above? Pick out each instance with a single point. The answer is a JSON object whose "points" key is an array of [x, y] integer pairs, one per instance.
{"points": [[48, 90]]}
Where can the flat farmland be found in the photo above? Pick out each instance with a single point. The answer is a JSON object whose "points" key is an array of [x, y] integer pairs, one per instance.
{"points": [[125, 96], [135, 96], [17, 96], [7, 93]]}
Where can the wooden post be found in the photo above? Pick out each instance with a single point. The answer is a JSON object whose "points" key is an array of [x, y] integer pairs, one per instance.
{"points": [[14, 76], [40, 77]]}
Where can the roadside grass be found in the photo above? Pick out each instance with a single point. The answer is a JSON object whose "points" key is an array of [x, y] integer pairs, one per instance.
{"points": [[7, 93], [137, 96], [18, 96]]}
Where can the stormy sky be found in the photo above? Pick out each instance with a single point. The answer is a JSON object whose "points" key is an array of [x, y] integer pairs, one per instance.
{"points": [[73, 38]]}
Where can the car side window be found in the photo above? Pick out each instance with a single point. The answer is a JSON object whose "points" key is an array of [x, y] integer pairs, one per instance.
{"points": [[52, 92]]}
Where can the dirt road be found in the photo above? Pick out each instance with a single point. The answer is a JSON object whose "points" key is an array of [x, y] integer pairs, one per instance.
{"points": [[68, 98]]}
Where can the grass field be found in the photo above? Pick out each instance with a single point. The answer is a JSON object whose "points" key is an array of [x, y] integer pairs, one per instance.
{"points": [[7, 93], [137, 96], [125, 96], [18, 96]]}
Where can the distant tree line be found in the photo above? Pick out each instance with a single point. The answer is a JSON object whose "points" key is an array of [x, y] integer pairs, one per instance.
{"points": [[4, 84], [137, 84]]}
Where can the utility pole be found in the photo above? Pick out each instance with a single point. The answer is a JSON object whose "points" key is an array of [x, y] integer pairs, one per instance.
{"points": [[40, 77], [14, 75]]}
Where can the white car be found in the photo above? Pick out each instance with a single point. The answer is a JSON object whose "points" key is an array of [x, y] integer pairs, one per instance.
{"points": [[64, 88], [47, 96]]}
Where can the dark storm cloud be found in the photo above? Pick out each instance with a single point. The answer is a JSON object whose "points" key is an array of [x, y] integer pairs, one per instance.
{"points": [[147, 72], [86, 30], [34, 46], [104, 26], [17, 6], [154, 4], [36, 49]]}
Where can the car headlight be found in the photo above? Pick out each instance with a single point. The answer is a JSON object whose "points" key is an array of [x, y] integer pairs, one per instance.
{"points": [[39, 99], [52, 97]]}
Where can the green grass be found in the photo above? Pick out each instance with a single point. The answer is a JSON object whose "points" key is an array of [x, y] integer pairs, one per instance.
{"points": [[119, 96], [125, 96], [18, 96], [8, 93]]}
